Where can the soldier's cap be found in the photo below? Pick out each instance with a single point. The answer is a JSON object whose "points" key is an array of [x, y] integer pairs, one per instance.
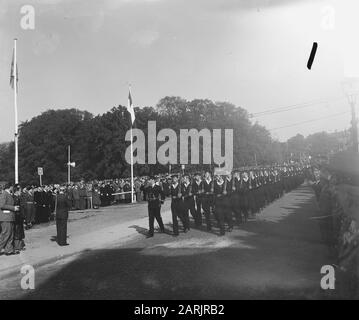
{"points": [[174, 176], [151, 178], [197, 174]]}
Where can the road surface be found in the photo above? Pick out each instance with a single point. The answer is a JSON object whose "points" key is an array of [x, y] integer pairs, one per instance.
{"points": [[277, 255]]}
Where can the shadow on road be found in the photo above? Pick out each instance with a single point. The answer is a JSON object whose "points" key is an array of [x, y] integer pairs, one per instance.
{"points": [[277, 258]]}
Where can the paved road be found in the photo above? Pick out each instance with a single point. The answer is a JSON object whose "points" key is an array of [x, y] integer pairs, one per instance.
{"points": [[278, 255]]}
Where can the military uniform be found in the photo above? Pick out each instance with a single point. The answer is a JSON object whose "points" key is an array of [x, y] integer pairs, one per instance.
{"points": [[188, 204], [235, 198], [246, 189], [228, 213], [155, 198], [63, 205], [197, 187], [7, 219], [220, 205], [177, 208], [207, 201]]}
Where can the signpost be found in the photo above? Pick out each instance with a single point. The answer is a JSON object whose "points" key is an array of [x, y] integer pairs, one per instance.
{"points": [[40, 172]]}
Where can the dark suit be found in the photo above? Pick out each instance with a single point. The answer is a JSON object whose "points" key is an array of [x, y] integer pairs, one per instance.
{"points": [[7, 220], [207, 201], [196, 191], [62, 213], [177, 209], [155, 197]]}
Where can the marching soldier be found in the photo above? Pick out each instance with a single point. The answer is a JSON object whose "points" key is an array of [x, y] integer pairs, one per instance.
{"points": [[266, 187], [251, 193], [197, 187], [207, 198], [235, 197], [222, 209], [245, 192], [227, 201], [188, 201], [177, 206], [155, 198]]}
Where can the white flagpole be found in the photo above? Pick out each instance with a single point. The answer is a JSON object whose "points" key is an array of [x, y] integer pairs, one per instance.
{"points": [[132, 195], [69, 165], [16, 120]]}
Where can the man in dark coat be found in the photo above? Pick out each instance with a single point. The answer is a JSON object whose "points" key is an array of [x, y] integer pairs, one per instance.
{"points": [[40, 199], [7, 219], [197, 189], [235, 197], [63, 205], [177, 206], [207, 198], [155, 198]]}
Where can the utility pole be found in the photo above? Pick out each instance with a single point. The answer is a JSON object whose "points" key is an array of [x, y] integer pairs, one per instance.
{"points": [[354, 123], [351, 87]]}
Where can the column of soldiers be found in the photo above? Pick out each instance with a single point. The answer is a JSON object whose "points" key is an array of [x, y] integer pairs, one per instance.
{"points": [[231, 199]]}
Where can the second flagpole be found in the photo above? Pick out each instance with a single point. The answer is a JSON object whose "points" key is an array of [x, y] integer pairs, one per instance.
{"points": [[16, 116]]}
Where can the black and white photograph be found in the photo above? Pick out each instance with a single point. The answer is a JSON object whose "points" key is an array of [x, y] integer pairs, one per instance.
{"points": [[178, 154]]}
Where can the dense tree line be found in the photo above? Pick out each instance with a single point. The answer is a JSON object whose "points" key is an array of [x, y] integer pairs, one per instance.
{"points": [[98, 142]]}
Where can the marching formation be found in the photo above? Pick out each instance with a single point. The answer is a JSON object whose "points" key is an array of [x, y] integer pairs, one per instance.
{"points": [[220, 199], [231, 198]]}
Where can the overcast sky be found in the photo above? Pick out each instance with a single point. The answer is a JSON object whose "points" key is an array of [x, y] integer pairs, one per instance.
{"points": [[253, 54]]}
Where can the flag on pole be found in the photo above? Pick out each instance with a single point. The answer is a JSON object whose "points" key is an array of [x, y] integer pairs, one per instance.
{"points": [[130, 108], [12, 72]]}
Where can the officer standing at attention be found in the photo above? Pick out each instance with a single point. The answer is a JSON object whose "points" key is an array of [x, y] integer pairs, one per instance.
{"points": [[155, 198], [63, 205]]}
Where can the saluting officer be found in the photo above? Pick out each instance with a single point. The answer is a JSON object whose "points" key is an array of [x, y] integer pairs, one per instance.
{"points": [[155, 198]]}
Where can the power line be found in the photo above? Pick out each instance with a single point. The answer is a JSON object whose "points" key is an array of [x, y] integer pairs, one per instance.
{"points": [[312, 120], [293, 107]]}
